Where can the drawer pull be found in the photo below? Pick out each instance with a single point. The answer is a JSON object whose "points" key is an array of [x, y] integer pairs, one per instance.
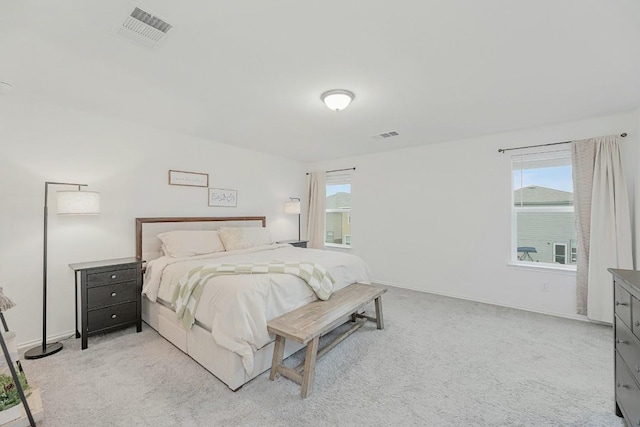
{"points": [[113, 316], [638, 369], [637, 322], [622, 386], [617, 302], [113, 276], [113, 294], [619, 341]]}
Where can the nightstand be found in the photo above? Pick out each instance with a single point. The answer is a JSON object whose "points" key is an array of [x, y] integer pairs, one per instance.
{"points": [[110, 294], [296, 243]]}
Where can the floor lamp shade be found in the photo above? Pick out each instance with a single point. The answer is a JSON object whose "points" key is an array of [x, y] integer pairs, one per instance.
{"points": [[68, 203], [292, 207], [78, 202]]}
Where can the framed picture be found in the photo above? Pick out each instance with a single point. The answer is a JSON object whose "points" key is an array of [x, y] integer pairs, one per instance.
{"points": [[222, 197], [189, 179]]}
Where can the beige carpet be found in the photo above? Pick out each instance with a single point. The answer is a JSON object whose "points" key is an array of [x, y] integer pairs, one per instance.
{"points": [[439, 362]]}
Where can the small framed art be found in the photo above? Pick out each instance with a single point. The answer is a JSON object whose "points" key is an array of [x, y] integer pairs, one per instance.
{"points": [[222, 197], [189, 179]]}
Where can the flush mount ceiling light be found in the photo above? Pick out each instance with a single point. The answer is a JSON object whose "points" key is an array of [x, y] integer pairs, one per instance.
{"points": [[337, 99]]}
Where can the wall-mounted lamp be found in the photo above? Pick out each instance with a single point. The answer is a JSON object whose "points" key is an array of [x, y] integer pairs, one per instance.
{"points": [[69, 203], [292, 207], [337, 99]]}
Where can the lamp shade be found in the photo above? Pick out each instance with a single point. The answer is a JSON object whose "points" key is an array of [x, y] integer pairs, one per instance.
{"points": [[292, 207], [78, 202], [337, 99]]}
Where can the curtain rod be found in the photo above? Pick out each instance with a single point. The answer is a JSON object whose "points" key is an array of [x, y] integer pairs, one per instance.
{"points": [[502, 150], [339, 170]]}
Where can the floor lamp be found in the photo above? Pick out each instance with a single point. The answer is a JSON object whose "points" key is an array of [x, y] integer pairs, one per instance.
{"points": [[293, 207], [72, 203]]}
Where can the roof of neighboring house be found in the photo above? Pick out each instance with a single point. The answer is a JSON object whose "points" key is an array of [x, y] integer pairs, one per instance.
{"points": [[338, 201], [542, 196]]}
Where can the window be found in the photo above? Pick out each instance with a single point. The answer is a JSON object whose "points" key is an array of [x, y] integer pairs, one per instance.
{"points": [[560, 253], [338, 209], [543, 216]]}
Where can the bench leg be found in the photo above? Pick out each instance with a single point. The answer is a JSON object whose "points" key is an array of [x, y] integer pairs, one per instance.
{"points": [[309, 367], [278, 354], [379, 319]]}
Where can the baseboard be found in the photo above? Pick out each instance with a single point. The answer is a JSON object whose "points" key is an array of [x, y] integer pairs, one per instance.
{"points": [[65, 335], [483, 301], [51, 338]]}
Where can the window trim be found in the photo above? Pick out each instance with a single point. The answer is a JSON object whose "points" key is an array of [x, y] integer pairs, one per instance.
{"points": [[514, 209], [337, 210], [336, 245]]}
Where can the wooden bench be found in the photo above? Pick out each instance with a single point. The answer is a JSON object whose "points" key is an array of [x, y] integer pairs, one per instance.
{"points": [[308, 323]]}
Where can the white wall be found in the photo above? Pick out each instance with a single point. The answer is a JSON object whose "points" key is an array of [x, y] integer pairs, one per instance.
{"points": [[128, 165], [436, 218]]}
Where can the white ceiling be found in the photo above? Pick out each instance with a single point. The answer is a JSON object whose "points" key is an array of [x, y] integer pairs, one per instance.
{"points": [[250, 73]]}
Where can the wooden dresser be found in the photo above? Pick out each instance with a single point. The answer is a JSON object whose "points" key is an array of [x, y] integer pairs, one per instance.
{"points": [[626, 335]]}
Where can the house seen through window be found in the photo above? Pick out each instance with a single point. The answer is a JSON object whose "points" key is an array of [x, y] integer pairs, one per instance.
{"points": [[543, 216], [338, 209]]}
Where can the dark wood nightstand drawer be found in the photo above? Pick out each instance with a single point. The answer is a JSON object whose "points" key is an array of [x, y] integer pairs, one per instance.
{"points": [[111, 316], [627, 392], [623, 305], [103, 296], [113, 276]]}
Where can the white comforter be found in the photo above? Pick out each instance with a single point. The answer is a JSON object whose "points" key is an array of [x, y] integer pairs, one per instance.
{"points": [[237, 307]]}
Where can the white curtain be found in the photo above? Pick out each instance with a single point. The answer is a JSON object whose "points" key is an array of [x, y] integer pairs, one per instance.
{"points": [[609, 234], [583, 159], [317, 197]]}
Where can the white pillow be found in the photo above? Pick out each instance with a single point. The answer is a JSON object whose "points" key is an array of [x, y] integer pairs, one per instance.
{"points": [[185, 243], [244, 237]]}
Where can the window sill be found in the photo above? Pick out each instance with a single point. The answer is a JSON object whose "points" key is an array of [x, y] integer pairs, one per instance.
{"points": [[336, 246], [568, 270]]}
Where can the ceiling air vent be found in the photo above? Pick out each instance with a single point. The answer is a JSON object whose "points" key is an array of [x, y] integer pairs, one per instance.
{"points": [[143, 28], [385, 135]]}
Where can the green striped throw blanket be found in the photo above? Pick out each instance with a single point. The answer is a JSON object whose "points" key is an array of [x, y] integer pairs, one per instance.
{"points": [[189, 289]]}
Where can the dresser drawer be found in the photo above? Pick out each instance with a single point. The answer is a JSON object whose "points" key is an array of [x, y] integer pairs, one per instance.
{"points": [[635, 316], [111, 316], [627, 392], [629, 348], [113, 276], [103, 296], [623, 304]]}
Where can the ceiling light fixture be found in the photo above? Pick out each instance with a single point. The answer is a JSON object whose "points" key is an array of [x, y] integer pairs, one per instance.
{"points": [[337, 99]]}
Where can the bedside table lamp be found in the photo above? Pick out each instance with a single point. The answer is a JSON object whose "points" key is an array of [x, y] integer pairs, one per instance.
{"points": [[72, 203], [292, 207]]}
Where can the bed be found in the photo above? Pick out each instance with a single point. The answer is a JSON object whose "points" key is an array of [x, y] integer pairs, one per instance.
{"points": [[229, 335]]}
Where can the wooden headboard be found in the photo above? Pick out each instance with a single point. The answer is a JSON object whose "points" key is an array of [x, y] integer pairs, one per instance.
{"points": [[148, 246]]}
